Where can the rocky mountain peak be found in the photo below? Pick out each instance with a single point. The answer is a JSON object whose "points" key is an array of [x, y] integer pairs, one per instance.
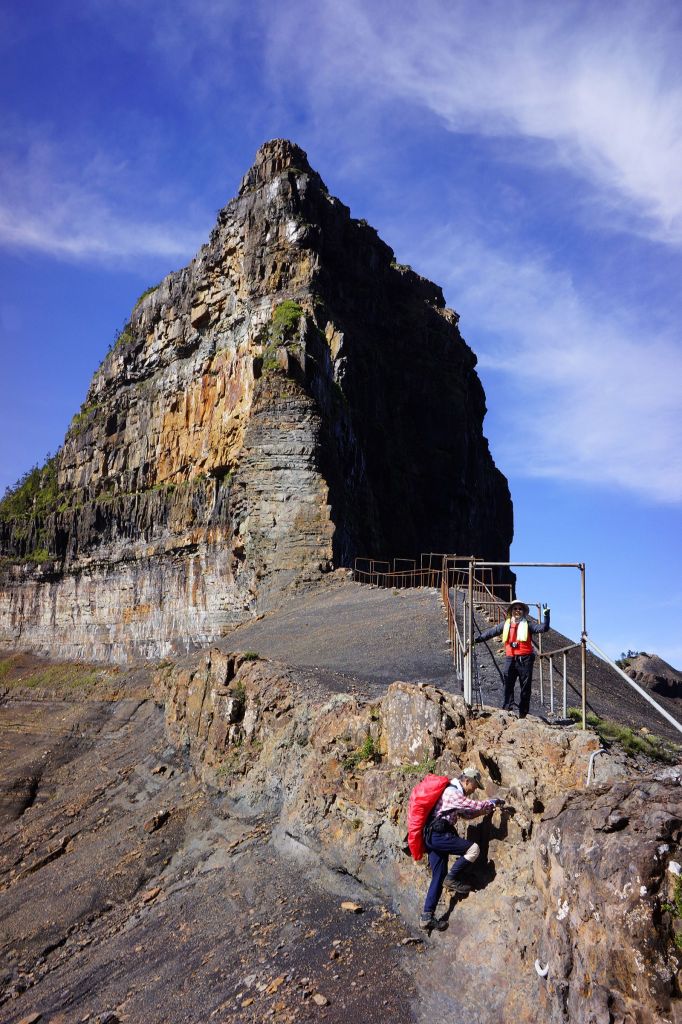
{"points": [[272, 159], [291, 399]]}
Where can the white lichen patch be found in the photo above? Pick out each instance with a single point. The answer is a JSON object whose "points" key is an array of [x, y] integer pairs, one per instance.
{"points": [[272, 190], [562, 911], [674, 868], [555, 841], [643, 890], [292, 230]]}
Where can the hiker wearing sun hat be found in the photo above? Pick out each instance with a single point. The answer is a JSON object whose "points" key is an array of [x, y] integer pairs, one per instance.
{"points": [[441, 840], [516, 632]]}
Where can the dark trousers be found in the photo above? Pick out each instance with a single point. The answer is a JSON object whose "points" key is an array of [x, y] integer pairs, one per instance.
{"points": [[519, 667], [440, 845]]}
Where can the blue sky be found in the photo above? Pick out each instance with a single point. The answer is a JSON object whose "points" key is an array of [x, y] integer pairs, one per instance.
{"points": [[526, 156]]}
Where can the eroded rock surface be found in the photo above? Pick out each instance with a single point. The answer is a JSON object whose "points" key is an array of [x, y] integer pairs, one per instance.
{"points": [[186, 849], [289, 400], [602, 867], [575, 879], [128, 893]]}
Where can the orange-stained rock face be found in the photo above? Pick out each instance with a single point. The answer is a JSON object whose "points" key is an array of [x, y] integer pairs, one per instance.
{"points": [[291, 399]]}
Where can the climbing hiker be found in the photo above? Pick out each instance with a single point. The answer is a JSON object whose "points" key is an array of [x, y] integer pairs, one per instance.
{"points": [[441, 839], [516, 632]]}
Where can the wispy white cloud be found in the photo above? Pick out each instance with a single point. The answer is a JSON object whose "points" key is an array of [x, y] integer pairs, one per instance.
{"points": [[598, 395], [594, 91], [84, 211]]}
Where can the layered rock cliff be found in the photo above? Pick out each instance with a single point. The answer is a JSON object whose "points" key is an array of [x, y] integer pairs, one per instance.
{"points": [[291, 399]]}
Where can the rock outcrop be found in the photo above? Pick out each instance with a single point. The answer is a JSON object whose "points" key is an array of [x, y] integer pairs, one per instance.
{"points": [[291, 399], [207, 867], [573, 918], [654, 674]]}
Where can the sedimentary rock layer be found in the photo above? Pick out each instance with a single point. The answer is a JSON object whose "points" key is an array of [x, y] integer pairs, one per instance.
{"points": [[291, 399]]}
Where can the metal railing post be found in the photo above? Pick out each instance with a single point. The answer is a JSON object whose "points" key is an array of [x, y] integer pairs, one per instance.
{"points": [[469, 635], [551, 685], [583, 647], [564, 713]]}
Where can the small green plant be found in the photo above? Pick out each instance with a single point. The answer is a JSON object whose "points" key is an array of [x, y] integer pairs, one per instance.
{"points": [[632, 742], [250, 656], [674, 908], [122, 337], [285, 320], [145, 293], [425, 767], [83, 417], [6, 666], [40, 555], [228, 768], [367, 752], [238, 692], [281, 329]]}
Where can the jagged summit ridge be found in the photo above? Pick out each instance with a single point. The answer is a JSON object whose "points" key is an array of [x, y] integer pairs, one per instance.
{"points": [[272, 159], [289, 400]]}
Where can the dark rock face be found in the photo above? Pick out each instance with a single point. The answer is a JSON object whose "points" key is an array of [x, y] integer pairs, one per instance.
{"points": [[603, 867], [290, 400]]}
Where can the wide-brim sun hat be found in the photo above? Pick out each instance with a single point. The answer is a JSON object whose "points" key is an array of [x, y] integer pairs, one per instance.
{"points": [[473, 775], [518, 604]]}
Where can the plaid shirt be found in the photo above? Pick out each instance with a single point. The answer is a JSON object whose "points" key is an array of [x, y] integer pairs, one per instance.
{"points": [[454, 804]]}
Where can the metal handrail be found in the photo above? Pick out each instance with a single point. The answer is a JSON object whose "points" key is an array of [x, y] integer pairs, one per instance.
{"points": [[381, 574], [472, 582]]}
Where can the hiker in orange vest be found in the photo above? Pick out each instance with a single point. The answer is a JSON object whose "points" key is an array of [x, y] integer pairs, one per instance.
{"points": [[516, 632]]}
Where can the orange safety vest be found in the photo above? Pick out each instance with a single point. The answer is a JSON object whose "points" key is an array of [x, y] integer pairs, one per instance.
{"points": [[513, 633]]}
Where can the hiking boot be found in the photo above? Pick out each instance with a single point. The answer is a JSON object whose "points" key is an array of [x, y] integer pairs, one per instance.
{"points": [[430, 921], [455, 886]]}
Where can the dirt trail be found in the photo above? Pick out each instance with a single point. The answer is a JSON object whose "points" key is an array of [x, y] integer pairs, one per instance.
{"points": [[353, 637]]}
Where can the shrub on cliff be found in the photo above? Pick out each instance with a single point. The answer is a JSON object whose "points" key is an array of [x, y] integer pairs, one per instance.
{"points": [[633, 743], [285, 320], [280, 330], [35, 494]]}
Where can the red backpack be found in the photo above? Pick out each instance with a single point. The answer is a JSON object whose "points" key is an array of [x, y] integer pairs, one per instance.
{"points": [[423, 799]]}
